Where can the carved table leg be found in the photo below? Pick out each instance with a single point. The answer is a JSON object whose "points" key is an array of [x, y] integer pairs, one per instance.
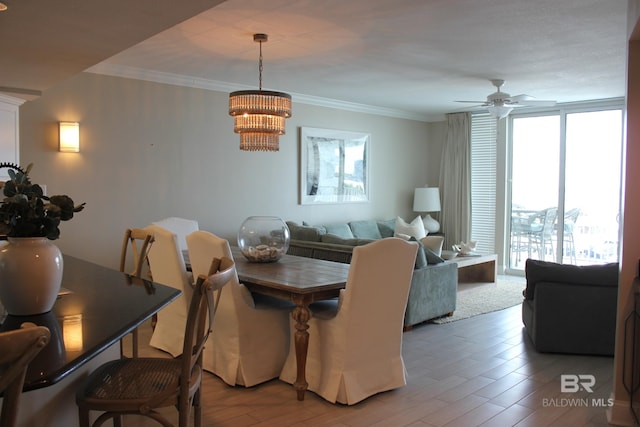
{"points": [[301, 315]]}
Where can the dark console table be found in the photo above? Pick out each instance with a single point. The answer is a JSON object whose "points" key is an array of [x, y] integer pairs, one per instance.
{"points": [[96, 308]]}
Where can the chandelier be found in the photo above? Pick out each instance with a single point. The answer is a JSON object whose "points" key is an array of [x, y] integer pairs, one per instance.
{"points": [[259, 115]]}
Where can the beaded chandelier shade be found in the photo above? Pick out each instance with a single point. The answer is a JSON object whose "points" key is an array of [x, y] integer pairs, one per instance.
{"points": [[259, 115]]}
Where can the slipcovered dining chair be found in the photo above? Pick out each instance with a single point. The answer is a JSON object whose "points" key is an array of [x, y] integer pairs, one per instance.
{"points": [[19, 347], [167, 266], [180, 226], [137, 242], [251, 337], [355, 343], [143, 385]]}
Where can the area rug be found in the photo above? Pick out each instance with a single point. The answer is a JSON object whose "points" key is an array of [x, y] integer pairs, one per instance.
{"points": [[485, 299]]}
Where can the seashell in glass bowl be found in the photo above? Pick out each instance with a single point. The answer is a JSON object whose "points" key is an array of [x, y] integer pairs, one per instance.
{"points": [[263, 238]]}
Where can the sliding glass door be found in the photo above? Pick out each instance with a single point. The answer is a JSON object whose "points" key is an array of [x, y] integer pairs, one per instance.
{"points": [[592, 187], [565, 187], [535, 174]]}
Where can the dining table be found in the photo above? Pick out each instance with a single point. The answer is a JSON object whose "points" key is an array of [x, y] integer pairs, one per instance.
{"points": [[96, 307], [300, 280]]}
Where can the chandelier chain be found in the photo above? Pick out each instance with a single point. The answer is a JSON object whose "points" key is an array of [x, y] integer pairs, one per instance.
{"points": [[260, 66]]}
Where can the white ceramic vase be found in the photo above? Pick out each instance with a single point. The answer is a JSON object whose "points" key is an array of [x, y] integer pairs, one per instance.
{"points": [[30, 275]]}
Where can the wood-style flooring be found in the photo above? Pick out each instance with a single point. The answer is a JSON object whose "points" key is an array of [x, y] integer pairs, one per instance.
{"points": [[480, 371]]}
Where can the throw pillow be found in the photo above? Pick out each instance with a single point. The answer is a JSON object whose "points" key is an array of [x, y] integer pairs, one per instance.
{"points": [[432, 258], [414, 229], [434, 243], [304, 232], [387, 227], [341, 229], [365, 229], [421, 259]]}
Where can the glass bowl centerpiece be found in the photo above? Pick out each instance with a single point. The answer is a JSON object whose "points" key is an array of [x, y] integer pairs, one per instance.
{"points": [[263, 238]]}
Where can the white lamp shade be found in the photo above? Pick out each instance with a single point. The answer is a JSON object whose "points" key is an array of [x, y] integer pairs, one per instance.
{"points": [[69, 137], [499, 111], [426, 199]]}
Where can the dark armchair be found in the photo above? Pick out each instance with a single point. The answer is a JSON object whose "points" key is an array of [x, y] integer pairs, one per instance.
{"points": [[569, 308]]}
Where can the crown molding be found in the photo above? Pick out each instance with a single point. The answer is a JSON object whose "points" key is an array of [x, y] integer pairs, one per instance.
{"points": [[218, 86], [9, 99]]}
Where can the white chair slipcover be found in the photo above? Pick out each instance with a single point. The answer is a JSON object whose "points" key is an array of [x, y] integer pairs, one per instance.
{"points": [[181, 227], [250, 343], [355, 350], [166, 264]]}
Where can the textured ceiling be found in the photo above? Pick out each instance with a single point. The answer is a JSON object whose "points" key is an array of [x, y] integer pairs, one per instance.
{"points": [[413, 56]]}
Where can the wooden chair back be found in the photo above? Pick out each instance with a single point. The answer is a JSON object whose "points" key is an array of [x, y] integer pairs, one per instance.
{"points": [[19, 347], [140, 241], [200, 319]]}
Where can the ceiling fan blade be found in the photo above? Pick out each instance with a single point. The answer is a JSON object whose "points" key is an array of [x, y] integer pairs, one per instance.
{"points": [[503, 101], [528, 100]]}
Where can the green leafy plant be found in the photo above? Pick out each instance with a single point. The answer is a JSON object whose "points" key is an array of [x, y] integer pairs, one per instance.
{"points": [[26, 212]]}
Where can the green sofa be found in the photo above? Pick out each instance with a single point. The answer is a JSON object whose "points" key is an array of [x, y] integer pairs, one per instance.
{"points": [[433, 286]]}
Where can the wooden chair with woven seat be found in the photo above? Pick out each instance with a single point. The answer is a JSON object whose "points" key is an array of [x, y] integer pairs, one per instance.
{"points": [[19, 347], [143, 385], [140, 241]]}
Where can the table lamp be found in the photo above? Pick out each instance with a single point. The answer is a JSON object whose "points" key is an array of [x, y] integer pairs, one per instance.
{"points": [[427, 199]]}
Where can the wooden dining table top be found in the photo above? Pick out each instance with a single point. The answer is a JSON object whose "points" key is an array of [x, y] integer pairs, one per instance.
{"points": [[292, 273]]}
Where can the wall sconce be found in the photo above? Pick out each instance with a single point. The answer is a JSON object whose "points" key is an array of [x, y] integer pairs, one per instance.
{"points": [[69, 141]]}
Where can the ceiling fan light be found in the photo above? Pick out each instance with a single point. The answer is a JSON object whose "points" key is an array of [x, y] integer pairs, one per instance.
{"points": [[499, 111]]}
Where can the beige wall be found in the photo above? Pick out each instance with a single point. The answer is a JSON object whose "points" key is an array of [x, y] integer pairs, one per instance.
{"points": [[150, 151]]}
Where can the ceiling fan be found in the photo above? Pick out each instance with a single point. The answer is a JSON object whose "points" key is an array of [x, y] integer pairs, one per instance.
{"points": [[500, 104]]}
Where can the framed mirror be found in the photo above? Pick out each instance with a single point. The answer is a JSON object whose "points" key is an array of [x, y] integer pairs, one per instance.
{"points": [[334, 166]]}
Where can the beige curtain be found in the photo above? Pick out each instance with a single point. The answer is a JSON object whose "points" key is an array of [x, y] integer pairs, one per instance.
{"points": [[455, 180]]}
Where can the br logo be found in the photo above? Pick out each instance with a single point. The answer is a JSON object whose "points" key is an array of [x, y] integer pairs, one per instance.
{"points": [[570, 383]]}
